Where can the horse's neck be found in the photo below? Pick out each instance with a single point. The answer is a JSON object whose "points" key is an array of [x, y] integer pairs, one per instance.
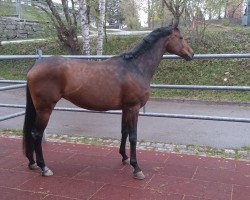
{"points": [[149, 61]]}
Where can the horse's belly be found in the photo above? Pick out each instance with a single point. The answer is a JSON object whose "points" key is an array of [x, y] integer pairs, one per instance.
{"points": [[95, 102]]}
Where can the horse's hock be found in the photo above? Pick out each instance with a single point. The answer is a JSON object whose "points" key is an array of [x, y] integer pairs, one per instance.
{"points": [[15, 28]]}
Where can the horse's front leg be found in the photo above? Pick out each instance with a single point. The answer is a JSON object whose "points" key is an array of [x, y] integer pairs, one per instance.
{"points": [[130, 119]]}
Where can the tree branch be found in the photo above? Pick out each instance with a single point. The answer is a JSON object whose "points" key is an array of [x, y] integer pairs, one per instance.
{"points": [[170, 6], [56, 15], [66, 11], [74, 13]]}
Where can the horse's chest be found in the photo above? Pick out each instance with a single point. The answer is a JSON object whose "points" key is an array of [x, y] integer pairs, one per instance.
{"points": [[135, 95]]}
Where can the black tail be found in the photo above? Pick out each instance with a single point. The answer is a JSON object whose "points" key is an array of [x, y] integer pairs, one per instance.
{"points": [[29, 121]]}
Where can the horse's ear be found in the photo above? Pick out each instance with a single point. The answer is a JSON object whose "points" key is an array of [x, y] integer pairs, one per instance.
{"points": [[175, 22], [171, 23]]}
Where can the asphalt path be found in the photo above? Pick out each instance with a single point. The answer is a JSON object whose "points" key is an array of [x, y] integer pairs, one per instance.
{"points": [[110, 32], [167, 130]]}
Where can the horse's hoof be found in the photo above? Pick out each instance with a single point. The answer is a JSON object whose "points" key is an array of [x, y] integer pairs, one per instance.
{"points": [[139, 175], [126, 162], [33, 166], [47, 172]]}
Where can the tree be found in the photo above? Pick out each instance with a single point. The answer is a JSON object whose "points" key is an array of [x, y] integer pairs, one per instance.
{"points": [[84, 18], [113, 12], [197, 11], [156, 14], [232, 7], [100, 25], [65, 23], [214, 8], [176, 7], [130, 13]]}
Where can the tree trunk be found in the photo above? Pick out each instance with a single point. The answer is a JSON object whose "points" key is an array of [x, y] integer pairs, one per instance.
{"points": [[105, 27], [100, 26], [149, 15], [176, 8], [225, 13], [219, 14], [162, 13], [66, 30], [85, 26]]}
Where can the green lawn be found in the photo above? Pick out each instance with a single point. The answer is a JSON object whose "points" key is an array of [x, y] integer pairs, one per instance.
{"points": [[235, 72]]}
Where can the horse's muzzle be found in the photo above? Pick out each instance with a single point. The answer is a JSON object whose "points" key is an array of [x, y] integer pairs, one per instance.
{"points": [[190, 57]]}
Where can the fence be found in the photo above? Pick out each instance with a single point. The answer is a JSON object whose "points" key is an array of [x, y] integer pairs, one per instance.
{"points": [[20, 84]]}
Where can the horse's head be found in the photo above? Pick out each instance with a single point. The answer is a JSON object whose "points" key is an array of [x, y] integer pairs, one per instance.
{"points": [[176, 44]]}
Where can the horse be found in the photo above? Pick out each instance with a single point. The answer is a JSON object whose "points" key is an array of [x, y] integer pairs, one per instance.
{"points": [[119, 83]]}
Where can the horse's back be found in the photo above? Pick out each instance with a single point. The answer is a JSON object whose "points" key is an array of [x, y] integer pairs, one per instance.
{"points": [[88, 84]]}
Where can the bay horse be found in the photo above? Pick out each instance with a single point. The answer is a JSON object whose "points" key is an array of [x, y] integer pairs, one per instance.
{"points": [[121, 82]]}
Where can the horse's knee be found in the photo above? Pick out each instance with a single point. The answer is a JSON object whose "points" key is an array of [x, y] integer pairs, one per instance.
{"points": [[133, 139], [37, 136]]}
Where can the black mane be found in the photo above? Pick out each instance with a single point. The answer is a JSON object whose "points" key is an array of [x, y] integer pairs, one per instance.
{"points": [[147, 42]]}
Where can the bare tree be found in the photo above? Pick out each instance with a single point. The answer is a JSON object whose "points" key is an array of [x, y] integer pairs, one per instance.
{"points": [[84, 17], [65, 25]]}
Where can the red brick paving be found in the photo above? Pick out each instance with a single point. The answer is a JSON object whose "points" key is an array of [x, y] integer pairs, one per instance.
{"points": [[95, 173]]}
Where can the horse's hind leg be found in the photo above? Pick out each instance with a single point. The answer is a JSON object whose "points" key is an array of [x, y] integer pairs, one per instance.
{"points": [[30, 152], [42, 119], [30, 156]]}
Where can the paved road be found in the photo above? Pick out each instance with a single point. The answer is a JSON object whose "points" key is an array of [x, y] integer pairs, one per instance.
{"points": [[179, 131], [113, 32]]}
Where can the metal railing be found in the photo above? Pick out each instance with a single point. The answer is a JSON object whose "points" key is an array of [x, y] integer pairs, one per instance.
{"points": [[196, 56], [20, 84]]}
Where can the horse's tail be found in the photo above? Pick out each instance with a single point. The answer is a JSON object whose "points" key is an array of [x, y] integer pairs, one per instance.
{"points": [[29, 121]]}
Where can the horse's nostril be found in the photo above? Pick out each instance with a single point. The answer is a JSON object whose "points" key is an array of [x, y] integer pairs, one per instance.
{"points": [[191, 56]]}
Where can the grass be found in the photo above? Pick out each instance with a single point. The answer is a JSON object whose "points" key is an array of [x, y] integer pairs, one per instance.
{"points": [[14, 132], [27, 12], [7, 9], [235, 72], [31, 13]]}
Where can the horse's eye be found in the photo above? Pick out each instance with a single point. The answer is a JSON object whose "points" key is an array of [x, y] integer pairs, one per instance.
{"points": [[181, 38]]}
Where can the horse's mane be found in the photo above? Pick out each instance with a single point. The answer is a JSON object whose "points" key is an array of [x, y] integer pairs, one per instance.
{"points": [[147, 42]]}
